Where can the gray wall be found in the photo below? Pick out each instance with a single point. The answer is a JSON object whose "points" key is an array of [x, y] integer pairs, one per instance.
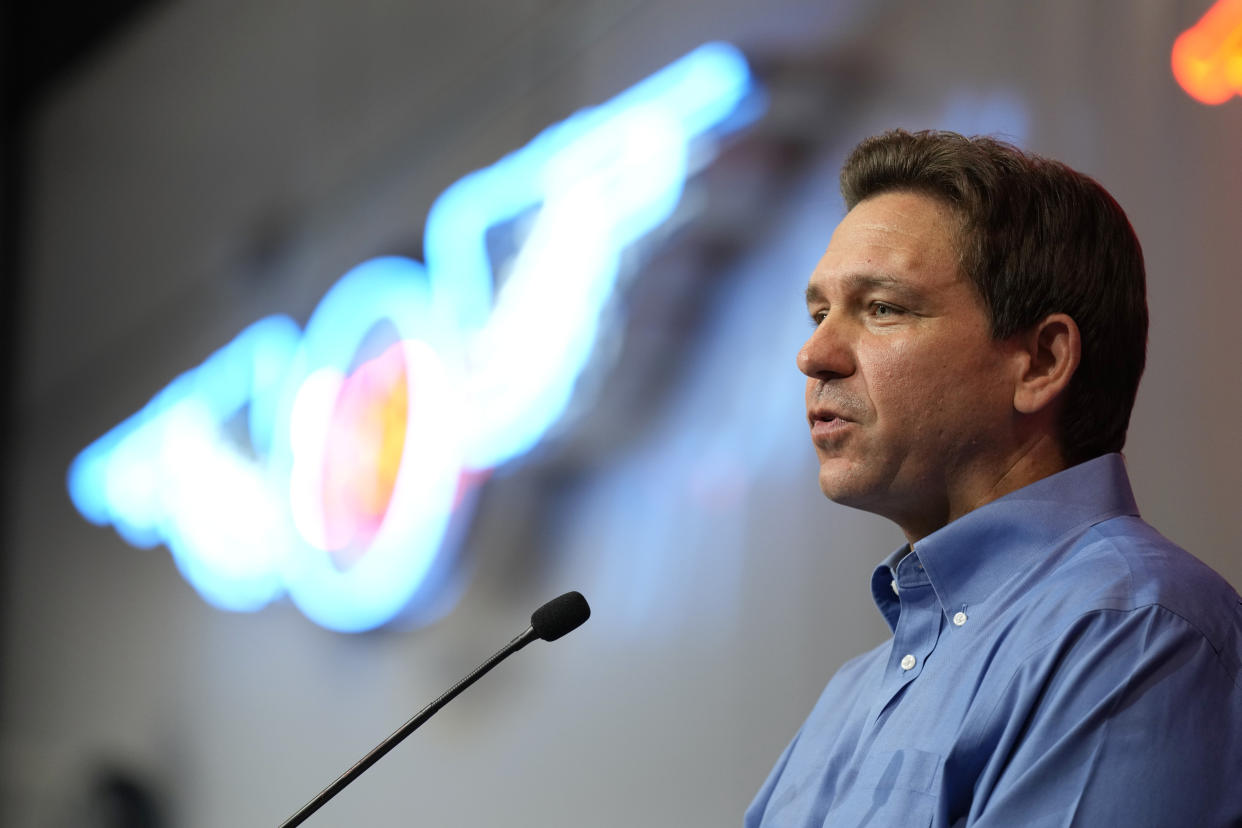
{"points": [[229, 160]]}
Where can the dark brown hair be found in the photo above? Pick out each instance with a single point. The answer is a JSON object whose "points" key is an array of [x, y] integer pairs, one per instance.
{"points": [[1036, 238]]}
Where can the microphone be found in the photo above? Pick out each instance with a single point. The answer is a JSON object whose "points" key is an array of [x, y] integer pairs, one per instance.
{"points": [[558, 617]]}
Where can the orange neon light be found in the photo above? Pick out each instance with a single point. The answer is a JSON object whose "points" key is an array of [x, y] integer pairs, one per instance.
{"points": [[363, 453], [1207, 58]]}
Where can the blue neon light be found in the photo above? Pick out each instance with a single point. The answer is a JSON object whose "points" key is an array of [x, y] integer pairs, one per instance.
{"points": [[490, 364]]}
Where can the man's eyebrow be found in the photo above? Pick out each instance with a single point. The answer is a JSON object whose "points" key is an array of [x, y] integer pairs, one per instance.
{"points": [[861, 282]]}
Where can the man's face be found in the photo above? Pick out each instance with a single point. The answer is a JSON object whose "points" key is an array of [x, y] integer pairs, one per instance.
{"points": [[908, 396]]}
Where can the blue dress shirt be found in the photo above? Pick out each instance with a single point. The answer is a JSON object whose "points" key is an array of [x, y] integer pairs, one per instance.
{"points": [[1054, 662]]}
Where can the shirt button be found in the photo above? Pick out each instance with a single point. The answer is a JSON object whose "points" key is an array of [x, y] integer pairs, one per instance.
{"points": [[959, 619], [893, 584], [907, 662]]}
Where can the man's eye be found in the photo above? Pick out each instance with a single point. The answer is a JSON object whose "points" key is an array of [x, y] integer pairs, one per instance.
{"points": [[818, 317], [883, 309]]}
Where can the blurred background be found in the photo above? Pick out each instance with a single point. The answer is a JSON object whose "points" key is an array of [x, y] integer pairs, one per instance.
{"points": [[175, 171]]}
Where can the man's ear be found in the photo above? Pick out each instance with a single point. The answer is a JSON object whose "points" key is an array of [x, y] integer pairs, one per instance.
{"points": [[1051, 351]]}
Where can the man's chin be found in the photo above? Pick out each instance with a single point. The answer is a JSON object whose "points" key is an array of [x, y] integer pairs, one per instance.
{"points": [[842, 485]]}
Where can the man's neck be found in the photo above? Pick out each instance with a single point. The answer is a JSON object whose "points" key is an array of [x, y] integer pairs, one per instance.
{"points": [[1035, 461]]}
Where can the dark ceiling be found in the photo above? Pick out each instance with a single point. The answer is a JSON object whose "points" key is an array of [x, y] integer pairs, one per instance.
{"points": [[44, 40]]}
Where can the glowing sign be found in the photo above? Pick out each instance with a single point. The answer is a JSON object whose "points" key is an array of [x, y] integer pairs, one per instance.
{"points": [[1207, 58], [325, 463]]}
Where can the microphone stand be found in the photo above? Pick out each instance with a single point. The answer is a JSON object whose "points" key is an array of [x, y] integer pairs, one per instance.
{"points": [[379, 751]]}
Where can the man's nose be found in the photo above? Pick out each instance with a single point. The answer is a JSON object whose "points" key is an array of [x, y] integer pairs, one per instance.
{"points": [[827, 353]]}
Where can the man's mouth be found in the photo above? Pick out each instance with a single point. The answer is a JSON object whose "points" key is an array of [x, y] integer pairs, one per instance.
{"points": [[824, 415], [825, 425]]}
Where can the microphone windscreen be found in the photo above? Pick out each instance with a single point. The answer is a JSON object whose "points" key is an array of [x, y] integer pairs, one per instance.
{"points": [[560, 616]]}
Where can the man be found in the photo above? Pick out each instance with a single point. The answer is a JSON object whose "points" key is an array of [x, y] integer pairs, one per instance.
{"points": [[980, 328]]}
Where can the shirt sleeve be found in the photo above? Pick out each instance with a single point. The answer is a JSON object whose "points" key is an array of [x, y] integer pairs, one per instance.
{"points": [[754, 814], [1130, 718]]}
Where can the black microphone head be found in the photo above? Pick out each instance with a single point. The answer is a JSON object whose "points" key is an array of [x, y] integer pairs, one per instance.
{"points": [[560, 616]]}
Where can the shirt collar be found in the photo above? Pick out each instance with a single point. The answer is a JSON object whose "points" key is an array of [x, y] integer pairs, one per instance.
{"points": [[966, 560]]}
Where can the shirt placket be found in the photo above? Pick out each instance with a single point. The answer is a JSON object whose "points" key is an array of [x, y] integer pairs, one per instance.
{"points": [[918, 628]]}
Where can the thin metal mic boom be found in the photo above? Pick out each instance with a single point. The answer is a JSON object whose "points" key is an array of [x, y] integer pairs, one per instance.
{"points": [[549, 622]]}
